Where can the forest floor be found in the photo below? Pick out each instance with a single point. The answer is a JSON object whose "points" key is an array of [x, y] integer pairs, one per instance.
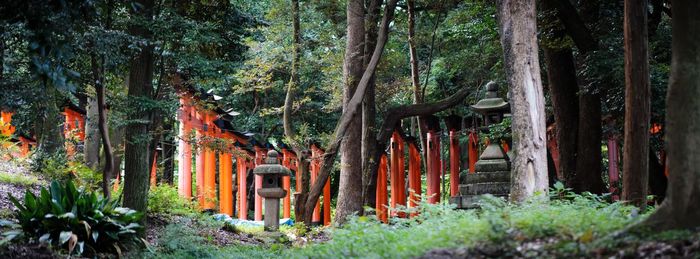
{"points": [[579, 226]]}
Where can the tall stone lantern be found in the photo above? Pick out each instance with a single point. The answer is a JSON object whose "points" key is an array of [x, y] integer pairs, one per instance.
{"points": [[492, 108], [272, 172], [492, 170]]}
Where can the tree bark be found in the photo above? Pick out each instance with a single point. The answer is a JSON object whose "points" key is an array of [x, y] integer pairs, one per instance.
{"points": [[168, 158], [50, 133], [518, 30], [289, 132], [92, 135], [680, 209], [637, 104], [107, 171], [137, 153], [353, 107], [369, 107], [350, 190]]}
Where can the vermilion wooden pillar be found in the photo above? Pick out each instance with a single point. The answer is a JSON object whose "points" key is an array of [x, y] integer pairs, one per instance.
{"points": [[286, 184], [397, 176], [613, 169], [184, 179], [209, 178], [154, 168], [473, 150], [225, 183], [199, 169], [316, 154], [242, 188], [433, 165], [553, 148], [259, 157], [414, 179], [381, 199]]}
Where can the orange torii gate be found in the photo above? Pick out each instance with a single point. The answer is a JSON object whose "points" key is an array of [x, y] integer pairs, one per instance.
{"points": [[289, 160]]}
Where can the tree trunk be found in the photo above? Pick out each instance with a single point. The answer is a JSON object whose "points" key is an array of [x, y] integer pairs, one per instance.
{"points": [[369, 107], [50, 133], [92, 135], [289, 132], [418, 92], [350, 190], [635, 170], [588, 163], [681, 210], [518, 30], [168, 158], [103, 129], [352, 108], [137, 153]]}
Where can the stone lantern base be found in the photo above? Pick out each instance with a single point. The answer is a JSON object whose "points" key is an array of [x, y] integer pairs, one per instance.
{"points": [[492, 176]]}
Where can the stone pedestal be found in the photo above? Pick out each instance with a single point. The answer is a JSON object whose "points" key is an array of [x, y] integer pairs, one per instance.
{"points": [[492, 177]]}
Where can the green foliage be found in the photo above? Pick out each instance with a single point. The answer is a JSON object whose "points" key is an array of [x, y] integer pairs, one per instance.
{"points": [[164, 199], [79, 220], [501, 131], [18, 179], [58, 167]]}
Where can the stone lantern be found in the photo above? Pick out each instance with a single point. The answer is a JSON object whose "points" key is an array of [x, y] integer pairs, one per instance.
{"points": [[492, 170], [272, 172], [492, 108]]}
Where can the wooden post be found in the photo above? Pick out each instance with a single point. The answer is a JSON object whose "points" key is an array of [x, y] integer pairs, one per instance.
{"points": [[259, 157], [242, 188], [613, 168], [327, 203], [184, 179], [433, 165], [381, 199], [209, 178], [398, 177], [454, 162], [316, 154], [473, 150], [199, 169], [554, 149], [154, 168], [414, 179], [225, 184], [286, 183]]}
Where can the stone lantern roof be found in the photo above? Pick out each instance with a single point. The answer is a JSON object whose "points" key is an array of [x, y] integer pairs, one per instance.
{"points": [[271, 166], [492, 103]]}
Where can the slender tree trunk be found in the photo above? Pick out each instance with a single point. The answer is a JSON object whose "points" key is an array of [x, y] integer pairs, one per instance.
{"points": [[369, 108], [418, 91], [637, 104], [103, 129], [588, 164], [352, 108], [168, 158], [92, 135], [137, 153], [350, 190], [518, 30], [681, 210], [289, 132]]}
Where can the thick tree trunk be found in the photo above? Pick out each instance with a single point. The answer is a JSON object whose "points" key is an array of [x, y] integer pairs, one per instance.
{"points": [[51, 122], [350, 190], [681, 210], [352, 108], [92, 135], [588, 163], [563, 88], [369, 107], [137, 153], [635, 170], [518, 30]]}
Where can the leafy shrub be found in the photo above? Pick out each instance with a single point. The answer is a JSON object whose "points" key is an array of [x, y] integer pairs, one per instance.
{"points": [[59, 167], [165, 199], [68, 217]]}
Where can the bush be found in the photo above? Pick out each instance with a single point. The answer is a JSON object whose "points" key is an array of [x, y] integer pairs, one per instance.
{"points": [[59, 167], [164, 199], [18, 179], [78, 220]]}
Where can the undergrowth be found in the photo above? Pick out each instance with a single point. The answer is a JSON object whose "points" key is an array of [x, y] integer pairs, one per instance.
{"points": [[25, 180], [575, 223]]}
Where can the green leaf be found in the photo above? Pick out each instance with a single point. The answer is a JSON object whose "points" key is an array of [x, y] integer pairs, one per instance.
{"points": [[95, 236], [45, 238], [64, 237]]}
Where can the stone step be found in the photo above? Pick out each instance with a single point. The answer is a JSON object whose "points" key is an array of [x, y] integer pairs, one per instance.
{"points": [[469, 201], [495, 188], [486, 177]]}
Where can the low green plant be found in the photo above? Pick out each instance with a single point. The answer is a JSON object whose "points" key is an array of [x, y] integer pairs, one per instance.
{"points": [[18, 179], [78, 220], [164, 199]]}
